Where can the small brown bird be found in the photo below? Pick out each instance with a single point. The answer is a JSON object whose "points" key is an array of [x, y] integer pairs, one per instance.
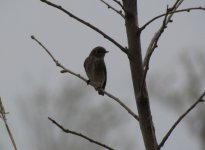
{"points": [[95, 68]]}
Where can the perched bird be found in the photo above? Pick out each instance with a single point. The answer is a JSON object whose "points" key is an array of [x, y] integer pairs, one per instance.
{"points": [[95, 68]]}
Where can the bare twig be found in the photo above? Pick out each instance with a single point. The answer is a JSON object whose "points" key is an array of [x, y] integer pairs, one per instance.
{"points": [[120, 4], [79, 134], [114, 9], [155, 39], [152, 46], [200, 99], [122, 104], [87, 24], [3, 116], [64, 70], [171, 12]]}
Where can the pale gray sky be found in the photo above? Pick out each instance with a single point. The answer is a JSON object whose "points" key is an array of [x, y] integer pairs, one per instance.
{"points": [[25, 66]]}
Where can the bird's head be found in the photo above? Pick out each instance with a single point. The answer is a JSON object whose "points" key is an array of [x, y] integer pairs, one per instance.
{"points": [[98, 52]]}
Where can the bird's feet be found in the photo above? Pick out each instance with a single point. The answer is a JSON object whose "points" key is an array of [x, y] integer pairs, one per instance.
{"points": [[88, 82], [100, 91]]}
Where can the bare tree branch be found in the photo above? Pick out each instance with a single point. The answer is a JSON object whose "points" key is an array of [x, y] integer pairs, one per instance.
{"points": [[171, 12], [152, 46], [122, 104], [120, 4], [64, 70], [114, 9], [176, 5], [87, 24], [155, 39], [3, 116], [200, 99], [79, 134]]}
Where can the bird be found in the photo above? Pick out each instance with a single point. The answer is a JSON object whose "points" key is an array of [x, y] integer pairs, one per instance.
{"points": [[95, 69]]}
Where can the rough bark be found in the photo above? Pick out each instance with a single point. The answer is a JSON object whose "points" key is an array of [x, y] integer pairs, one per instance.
{"points": [[141, 95]]}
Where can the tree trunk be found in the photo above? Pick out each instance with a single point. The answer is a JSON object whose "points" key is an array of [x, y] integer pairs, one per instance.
{"points": [[142, 100]]}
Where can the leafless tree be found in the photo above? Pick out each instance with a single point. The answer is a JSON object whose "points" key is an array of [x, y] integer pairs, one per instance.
{"points": [[139, 67]]}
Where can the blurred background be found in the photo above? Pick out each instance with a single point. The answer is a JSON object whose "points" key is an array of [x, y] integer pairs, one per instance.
{"points": [[32, 88]]}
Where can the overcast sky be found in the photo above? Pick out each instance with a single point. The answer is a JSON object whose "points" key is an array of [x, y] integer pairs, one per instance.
{"points": [[26, 67]]}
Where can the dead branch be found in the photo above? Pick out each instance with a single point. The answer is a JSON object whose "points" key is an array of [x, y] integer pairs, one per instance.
{"points": [[114, 9], [79, 134], [200, 99], [87, 24], [152, 46], [156, 37], [171, 12], [120, 4]]}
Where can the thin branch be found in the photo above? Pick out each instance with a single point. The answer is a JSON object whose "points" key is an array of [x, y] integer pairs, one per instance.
{"points": [[120, 4], [79, 134], [64, 70], [122, 104], [167, 19], [114, 9], [178, 2], [173, 8], [87, 24], [155, 39], [200, 99], [171, 12], [3, 116], [152, 46]]}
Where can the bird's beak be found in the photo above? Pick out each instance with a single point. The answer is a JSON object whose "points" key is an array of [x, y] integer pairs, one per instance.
{"points": [[106, 51]]}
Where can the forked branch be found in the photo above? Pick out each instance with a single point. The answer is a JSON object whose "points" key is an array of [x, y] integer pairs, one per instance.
{"points": [[156, 37], [79, 134], [152, 46], [120, 4], [200, 99], [114, 9], [64, 70], [171, 12]]}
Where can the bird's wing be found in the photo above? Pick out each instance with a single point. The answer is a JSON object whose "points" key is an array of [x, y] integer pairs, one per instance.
{"points": [[104, 84], [84, 62]]}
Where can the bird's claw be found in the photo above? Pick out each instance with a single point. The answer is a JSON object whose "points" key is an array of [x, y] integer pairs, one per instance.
{"points": [[100, 91], [88, 82]]}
